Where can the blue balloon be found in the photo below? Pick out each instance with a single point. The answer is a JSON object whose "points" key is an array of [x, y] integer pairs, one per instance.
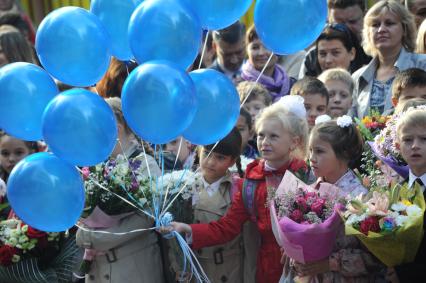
{"points": [[73, 46], [158, 101], [218, 107], [218, 14], [115, 16], [26, 89], [288, 26], [80, 127], [46, 192], [165, 30]]}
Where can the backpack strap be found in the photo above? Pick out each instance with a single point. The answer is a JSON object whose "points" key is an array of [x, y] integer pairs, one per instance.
{"points": [[249, 189]]}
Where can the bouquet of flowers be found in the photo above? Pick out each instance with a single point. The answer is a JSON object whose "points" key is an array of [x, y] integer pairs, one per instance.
{"points": [[124, 181], [384, 147], [19, 241], [304, 220], [370, 126], [389, 222]]}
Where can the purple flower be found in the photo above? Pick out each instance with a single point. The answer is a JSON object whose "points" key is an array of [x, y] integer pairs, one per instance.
{"points": [[135, 164]]}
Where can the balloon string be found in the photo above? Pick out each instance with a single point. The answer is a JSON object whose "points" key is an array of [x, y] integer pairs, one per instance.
{"points": [[167, 192], [257, 80], [114, 233], [131, 170], [204, 49], [196, 268], [178, 152], [120, 197]]}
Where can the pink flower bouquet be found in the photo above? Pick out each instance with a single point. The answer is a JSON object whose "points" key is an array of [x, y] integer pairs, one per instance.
{"points": [[305, 221]]}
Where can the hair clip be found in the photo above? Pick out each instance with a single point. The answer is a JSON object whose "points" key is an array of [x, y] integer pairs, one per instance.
{"points": [[322, 119], [344, 121], [294, 104]]}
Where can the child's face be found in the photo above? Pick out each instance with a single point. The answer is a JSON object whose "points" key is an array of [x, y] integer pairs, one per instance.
{"points": [[254, 107], [412, 144], [275, 143], [185, 148], [324, 161], [216, 166], [315, 105], [340, 98], [410, 93], [11, 152], [244, 131], [258, 55]]}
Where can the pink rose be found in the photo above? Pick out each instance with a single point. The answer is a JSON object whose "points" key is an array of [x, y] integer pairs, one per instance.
{"points": [[310, 195], [317, 207], [301, 203], [296, 216], [86, 172]]}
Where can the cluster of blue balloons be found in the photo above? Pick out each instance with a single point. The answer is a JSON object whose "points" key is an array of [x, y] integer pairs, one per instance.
{"points": [[160, 100]]}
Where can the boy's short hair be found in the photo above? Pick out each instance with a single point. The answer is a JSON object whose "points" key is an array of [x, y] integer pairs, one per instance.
{"points": [[257, 90], [402, 107], [338, 74], [343, 4], [413, 77], [414, 117], [310, 85], [244, 113], [232, 34]]}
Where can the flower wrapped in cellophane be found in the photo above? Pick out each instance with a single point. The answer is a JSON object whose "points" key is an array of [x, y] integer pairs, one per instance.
{"points": [[384, 147], [305, 221], [19, 241], [388, 222], [115, 185]]}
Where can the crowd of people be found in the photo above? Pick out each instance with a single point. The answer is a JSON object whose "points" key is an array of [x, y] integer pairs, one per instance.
{"points": [[366, 60]]}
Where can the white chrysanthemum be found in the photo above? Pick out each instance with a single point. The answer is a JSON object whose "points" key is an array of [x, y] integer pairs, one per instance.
{"points": [[344, 121], [414, 211], [398, 206], [294, 104], [400, 220], [322, 119]]}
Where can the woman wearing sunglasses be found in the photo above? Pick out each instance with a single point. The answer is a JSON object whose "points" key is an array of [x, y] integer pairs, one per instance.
{"points": [[336, 47]]}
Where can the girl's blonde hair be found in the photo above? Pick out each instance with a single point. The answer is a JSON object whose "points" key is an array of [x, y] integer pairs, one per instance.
{"points": [[420, 41], [296, 126], [414, 117], [338, 74], [407, 22]]}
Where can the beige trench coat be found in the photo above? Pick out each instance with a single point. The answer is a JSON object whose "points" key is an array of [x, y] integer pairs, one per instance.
{"points": [[129, 258]]}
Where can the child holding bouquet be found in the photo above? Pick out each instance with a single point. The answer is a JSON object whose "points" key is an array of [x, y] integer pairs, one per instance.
{"points": [[333, 145], [281, 135], [115, 257], [411, 140], [212, 192]]}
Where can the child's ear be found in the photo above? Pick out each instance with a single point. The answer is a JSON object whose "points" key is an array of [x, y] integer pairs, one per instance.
{"points": [[394, 101], [295, 142]]}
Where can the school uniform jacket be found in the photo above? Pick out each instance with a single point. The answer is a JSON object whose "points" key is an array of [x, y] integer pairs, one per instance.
{"points": [[269, 268]]}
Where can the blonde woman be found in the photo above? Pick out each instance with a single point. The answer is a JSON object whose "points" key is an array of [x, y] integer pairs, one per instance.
{"points": [[389, 37], [420, 42]]}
